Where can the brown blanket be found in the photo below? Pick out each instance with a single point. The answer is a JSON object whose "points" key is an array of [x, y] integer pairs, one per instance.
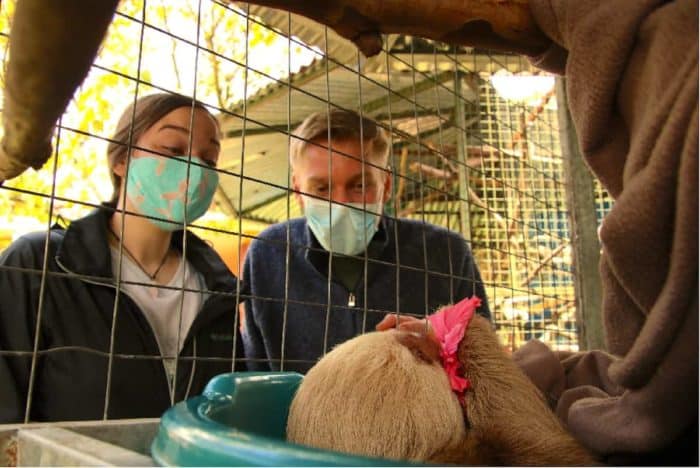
{"points": [[632, 81]]}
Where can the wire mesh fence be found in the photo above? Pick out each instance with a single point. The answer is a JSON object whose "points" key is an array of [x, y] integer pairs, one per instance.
{"points": [[473, 148]]}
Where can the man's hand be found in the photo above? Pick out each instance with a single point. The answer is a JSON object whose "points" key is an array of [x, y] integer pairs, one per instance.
{"points": [[391, 321], [416, 334]]}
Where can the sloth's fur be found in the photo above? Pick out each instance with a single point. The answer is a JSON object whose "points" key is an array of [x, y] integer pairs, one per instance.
{"points": [[382, 395]]}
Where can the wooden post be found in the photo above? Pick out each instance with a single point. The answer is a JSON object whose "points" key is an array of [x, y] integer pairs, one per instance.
{"points": [[463, 169], [583, 225]]}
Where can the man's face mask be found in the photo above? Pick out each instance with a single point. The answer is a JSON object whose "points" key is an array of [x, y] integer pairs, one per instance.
{"points": [[339, 228], [156, 186]]}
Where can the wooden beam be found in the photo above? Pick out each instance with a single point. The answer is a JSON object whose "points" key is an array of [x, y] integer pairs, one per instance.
{"points": [[505, 25], [51, 48]]}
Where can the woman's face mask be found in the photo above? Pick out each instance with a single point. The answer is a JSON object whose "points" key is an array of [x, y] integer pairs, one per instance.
{"points": [[342, 229], [158, 187]]}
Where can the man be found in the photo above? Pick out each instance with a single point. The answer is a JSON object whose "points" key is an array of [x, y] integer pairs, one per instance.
{"points": [[322, 279]]}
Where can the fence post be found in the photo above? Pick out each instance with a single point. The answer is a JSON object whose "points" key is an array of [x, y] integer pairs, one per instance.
{"points": [[463, 172], [583, 226]]}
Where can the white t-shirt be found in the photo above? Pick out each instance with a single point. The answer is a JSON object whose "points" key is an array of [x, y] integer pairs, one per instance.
{"points": [[164, 306]]}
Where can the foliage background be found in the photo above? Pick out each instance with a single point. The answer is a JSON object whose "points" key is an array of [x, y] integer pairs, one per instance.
{"points": [[199, 48]]}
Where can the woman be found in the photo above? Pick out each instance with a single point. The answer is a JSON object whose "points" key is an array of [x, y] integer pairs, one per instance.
{"points": [[130, 302]]}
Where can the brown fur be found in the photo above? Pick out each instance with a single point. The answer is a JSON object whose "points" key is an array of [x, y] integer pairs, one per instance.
{"points": [[386, 394], [507, 411]]}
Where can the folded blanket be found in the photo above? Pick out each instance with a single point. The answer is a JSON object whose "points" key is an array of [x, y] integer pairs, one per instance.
{"points": [[632, 83]]}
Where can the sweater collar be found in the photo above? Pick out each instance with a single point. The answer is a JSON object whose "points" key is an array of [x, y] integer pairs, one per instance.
{"points": [[85, 251], [378, 246]]}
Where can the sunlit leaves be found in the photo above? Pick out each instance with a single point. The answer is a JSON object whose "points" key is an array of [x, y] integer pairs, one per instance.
{"points": [[206, 49]]}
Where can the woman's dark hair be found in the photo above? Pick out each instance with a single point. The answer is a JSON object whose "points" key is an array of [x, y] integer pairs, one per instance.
{"points": [[145, 112]]}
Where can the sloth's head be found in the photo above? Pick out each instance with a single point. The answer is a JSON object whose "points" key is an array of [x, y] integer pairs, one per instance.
{"points": [[381, 394]]}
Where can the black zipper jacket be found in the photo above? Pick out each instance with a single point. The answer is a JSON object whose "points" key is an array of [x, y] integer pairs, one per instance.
{"points": [[73, 374]]}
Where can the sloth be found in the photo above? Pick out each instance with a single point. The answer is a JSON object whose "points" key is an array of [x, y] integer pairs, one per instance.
{"points": [[387, 394]]}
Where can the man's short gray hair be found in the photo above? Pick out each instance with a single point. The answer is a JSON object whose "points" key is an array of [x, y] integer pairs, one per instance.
{"points": [[343, 125]]}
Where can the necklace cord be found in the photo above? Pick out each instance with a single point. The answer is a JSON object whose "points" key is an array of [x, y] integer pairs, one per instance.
{"points": [[155, 273]]}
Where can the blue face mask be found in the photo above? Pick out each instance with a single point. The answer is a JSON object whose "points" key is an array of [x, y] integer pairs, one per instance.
{"points": [[156, 186], [342, 229]]}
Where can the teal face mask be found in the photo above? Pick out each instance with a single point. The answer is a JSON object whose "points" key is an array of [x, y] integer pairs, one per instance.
{"points": [[342, 229], [156, 186]]}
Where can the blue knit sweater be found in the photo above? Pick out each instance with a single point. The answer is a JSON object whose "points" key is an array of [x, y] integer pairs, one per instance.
{"points": [[416, 268]]}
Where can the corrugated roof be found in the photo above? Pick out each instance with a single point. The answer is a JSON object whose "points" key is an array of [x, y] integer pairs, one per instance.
{"points": [[415, 97], [415, 103]]}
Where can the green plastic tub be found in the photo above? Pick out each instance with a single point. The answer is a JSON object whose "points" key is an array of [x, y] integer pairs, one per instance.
{"points": [[240, 420]]}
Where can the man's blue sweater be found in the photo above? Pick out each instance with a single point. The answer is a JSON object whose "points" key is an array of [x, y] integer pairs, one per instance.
{"points": [[413, 268]]}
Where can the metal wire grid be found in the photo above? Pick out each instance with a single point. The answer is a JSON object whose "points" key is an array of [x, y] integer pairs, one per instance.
{"points": [[141, 86], [515, 228], [526, 235], [603, 201]]}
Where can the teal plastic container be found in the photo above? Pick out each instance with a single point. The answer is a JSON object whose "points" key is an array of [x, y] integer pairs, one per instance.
{"points": [[240, 420]]}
